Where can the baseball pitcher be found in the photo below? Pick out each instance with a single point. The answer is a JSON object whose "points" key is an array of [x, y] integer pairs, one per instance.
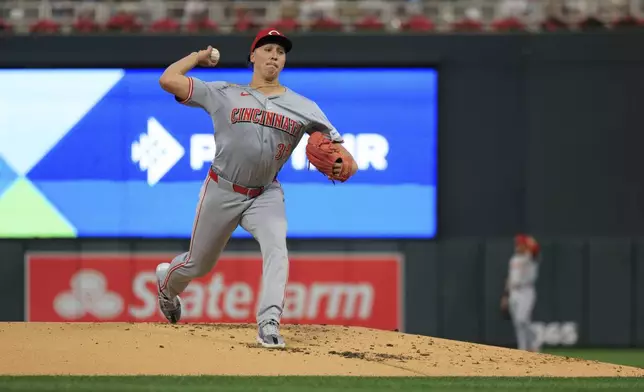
{"points": [[257, 126], [520, 293]]}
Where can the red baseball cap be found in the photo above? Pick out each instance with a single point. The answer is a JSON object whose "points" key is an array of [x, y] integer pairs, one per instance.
{"points": [[527, 241], [270, 35]]}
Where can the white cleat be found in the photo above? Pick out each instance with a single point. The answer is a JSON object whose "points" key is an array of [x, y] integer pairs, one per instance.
{"points": [[268, 335]]}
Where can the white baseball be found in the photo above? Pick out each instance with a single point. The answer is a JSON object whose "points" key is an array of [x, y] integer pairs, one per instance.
{"points": [[214, 55]]}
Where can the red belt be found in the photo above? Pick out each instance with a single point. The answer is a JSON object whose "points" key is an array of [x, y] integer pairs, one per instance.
{"points": [[250, 192]]}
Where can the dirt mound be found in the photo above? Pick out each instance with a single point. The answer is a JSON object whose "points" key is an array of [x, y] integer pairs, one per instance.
{"points": [[228, 349]]}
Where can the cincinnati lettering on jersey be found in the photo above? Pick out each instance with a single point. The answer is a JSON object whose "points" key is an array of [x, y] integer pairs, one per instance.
{"points": [[268, 119]]}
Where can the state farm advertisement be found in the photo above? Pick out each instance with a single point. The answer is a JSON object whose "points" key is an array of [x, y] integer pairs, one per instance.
{"points": [[337, 289]]}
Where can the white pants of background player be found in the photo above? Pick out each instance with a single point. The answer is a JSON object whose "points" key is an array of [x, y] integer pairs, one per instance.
{"points": [[521, 303]]}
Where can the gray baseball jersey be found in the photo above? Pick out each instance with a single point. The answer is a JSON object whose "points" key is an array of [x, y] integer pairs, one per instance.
{"points": [[254, 136]]}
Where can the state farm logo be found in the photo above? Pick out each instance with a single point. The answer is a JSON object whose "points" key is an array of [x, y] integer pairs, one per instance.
{"points": [[321, 290], [220, 299], [89, 295]]}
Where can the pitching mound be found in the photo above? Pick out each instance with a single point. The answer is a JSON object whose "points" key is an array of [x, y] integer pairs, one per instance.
{"points": [[225, 349]]}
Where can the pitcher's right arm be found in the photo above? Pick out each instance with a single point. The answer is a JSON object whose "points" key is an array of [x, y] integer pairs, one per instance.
{"points": [[189, 90], [174, 79]]}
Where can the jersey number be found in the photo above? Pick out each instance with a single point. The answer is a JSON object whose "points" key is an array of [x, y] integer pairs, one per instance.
{"points": [[282, 151]]}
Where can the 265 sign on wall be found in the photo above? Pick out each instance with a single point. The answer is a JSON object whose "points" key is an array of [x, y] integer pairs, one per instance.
{"points": [[342, 289]]}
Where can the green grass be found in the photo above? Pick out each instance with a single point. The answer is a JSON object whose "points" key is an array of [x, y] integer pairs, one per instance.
{"points": [[627, 357], [317, 384]]}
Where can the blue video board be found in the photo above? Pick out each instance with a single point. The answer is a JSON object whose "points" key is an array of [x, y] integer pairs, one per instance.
{"points": [[75, 159]]}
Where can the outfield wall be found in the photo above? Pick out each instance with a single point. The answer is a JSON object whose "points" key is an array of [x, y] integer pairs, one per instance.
{"points": [[590, 292]]}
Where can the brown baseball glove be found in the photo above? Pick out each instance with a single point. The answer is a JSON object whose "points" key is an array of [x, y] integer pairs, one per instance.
{"points": [[323, 154]]}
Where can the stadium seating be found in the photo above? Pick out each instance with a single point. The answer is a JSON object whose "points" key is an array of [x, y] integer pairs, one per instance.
{"points": [[394, 16]]}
